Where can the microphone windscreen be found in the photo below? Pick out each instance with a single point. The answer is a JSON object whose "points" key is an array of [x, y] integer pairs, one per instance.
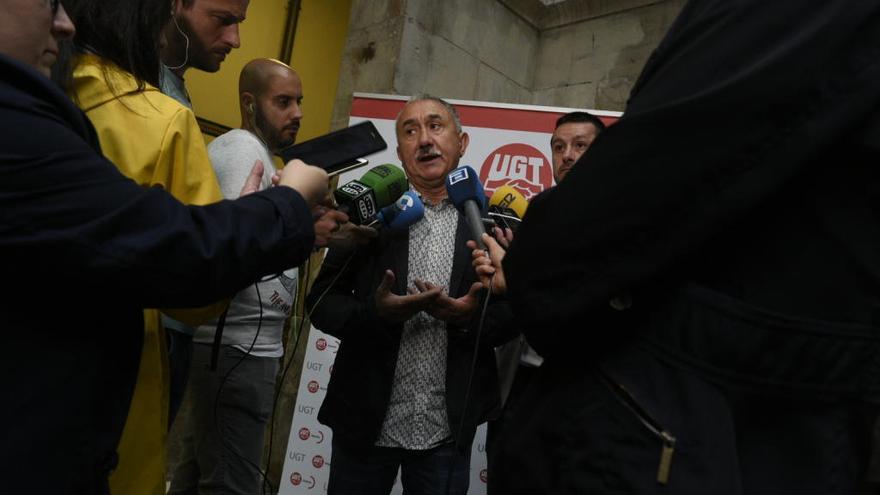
{"points": [[387, 181], [507, 197], [462, 185]]}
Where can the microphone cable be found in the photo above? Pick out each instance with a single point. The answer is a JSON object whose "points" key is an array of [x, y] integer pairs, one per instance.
{"points": [[214, 358], [224, 443], [283, 377], [278, 386], [467, 390]]}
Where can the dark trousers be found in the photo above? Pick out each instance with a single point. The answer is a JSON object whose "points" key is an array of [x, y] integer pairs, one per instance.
{"points": [[438, 471], [180, 350], [222, 434], [498, 428]]}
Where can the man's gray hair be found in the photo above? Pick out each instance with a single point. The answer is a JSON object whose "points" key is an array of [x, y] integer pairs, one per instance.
{"points": [[449, 108]]}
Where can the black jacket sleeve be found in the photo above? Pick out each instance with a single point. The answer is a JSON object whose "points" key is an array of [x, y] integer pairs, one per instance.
{"points": [[68, 215], [334, 303]]}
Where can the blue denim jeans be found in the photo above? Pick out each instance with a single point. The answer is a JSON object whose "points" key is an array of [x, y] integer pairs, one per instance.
{"points": [[438, 471]]}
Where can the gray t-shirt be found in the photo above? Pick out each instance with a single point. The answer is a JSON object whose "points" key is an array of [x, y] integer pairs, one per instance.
{"points": [[233, 155]]}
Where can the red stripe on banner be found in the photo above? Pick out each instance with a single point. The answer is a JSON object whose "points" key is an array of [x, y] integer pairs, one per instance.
{"points": [[491, 117], [506, 118], [375, 108]]}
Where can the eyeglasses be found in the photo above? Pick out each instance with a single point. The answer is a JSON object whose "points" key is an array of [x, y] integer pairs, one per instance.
{"points": [[53, 4]]}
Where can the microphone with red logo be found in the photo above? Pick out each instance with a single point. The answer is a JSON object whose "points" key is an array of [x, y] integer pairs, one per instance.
{"points": [[407, 210], [466, 193], [379, 187]]}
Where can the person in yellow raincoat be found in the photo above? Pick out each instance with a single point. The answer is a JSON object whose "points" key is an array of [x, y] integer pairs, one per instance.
{"points": [[155, 141]]}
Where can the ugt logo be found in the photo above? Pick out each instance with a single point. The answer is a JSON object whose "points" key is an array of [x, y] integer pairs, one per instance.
{"points": [[304, 434], [295, 479], [518, 165]]}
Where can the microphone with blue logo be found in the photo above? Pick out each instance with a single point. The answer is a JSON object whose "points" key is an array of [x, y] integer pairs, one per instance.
{"points": [[466, 193], [407, 210]]}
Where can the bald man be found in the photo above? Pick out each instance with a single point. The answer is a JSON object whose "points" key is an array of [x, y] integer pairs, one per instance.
{"points": [[221, 449]]}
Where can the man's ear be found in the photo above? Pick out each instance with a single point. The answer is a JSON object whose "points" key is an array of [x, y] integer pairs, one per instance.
{"points": [[247, 102], [465, 140]]}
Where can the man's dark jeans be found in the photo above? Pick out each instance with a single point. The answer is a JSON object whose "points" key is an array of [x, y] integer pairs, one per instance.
{"points": [[423, 472]]}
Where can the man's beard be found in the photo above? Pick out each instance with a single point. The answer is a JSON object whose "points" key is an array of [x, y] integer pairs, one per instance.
{"points": [[271, 136], [198, 55]]}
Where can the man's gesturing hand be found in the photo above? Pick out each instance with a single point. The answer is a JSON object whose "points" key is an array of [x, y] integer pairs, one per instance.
{"points": [[394, 308], [453, 310]]}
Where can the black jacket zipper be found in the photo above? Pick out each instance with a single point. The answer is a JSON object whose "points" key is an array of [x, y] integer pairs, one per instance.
{"points": [[667, 438]]}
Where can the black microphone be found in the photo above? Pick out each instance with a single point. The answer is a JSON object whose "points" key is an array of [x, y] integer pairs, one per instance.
{"points": [[466, 193], [362, 199]]}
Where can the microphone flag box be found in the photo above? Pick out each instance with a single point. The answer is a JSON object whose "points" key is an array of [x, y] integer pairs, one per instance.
{"points": [[463, 184], [360, 201]]}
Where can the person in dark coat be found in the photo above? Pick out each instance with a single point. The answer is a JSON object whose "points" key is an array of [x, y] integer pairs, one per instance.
{"points": [[709, 313], [79, 238]]}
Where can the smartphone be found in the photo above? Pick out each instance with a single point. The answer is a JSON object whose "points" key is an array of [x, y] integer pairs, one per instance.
{"points": [[340, 150]]}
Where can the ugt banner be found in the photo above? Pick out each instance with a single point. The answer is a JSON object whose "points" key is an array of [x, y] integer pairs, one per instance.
{"points": [[509, 144]]}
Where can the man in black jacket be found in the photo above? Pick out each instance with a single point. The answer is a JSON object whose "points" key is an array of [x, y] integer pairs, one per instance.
{"points": [[79, 238], [404, 308], [718, 294]]}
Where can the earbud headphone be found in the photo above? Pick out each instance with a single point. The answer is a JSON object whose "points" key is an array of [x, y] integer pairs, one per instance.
{"points": [[185, 37], [250, 108]]}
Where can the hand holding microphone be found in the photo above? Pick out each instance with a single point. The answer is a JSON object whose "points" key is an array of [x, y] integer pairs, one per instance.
{"points": [[507, 207], [407, 210], [350, 236], [488, 262], [328, 225], [358, 201]]}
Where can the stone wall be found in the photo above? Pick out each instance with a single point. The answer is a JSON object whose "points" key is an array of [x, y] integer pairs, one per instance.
{"points": [[579, 53], [595, 62], [461, 49]]}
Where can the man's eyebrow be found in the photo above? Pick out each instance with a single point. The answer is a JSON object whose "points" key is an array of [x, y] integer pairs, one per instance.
{"points": [[228, 13]]}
